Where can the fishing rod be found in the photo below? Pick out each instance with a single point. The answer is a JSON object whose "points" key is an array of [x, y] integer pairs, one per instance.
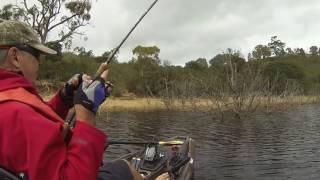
{"points": [[104, 65], [145, 143], [163, 143]]}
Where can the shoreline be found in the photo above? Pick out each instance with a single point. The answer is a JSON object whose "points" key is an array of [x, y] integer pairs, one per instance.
{"points": [[149, 104], [141, 104], [239, 105]]}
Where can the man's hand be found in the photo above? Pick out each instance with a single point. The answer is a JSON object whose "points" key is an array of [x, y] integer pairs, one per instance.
{"points": [[109, 87], [69, 89], [88, 98]]}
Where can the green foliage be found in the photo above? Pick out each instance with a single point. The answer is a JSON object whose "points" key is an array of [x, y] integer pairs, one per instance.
{"points": [[147, 72], [144, 75], [289, 51], [56, 46], [8, 12], [81, 51], [228, 73], [314, 50], [105, 56], [146, 52], [277, 46], [221, 61], [46, 16], [70, 64], [281, 73], [80, 8], [299, 52], [261, 52], [120, 74], [197, 65]]}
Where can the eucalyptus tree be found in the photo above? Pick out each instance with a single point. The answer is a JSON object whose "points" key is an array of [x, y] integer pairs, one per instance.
{"points": [[261, 52], [289, 51], [147, 65], [277, 46], [62, 17], [299, 52], [314, 50], [200, 64]]}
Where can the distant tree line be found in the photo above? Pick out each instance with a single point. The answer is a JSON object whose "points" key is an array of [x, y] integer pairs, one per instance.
{"points": [[278, 48], [270, 70], [226, 80], [147, 75]]}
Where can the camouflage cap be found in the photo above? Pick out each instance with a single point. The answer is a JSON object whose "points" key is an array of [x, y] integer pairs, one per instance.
{"points": [[17, 33]]}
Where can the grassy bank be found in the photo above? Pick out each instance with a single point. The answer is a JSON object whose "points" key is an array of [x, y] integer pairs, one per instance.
{"points": [[265, 103], [153, 104], [197, 104]]}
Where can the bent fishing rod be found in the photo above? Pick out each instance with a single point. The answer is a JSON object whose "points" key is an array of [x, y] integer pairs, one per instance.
{"points": [[104, 65]]}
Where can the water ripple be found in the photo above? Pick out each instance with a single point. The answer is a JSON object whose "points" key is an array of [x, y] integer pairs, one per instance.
{"points": [[283, 145]]}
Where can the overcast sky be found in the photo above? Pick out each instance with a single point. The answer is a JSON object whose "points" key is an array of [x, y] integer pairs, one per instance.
{"points": [[185, 30]]}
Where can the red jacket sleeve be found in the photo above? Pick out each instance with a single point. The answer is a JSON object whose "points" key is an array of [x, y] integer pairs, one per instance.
{"points": [[59, 106], [33, 144]]}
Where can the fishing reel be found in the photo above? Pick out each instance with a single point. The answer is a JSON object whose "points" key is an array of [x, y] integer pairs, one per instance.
{"points": [[151, 153], [152, 159]]}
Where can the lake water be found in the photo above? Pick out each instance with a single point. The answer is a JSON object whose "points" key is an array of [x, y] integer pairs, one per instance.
{"points": [[284, 145]]}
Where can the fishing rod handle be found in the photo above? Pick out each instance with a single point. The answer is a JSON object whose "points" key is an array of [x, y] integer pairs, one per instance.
{"points": [[101, 69]]}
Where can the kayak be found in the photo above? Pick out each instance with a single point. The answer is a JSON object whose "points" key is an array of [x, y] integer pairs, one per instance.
{"points": [[171, 158]]}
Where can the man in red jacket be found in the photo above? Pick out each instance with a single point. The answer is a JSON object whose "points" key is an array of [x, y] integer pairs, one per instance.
{"points": [[33, 139]]}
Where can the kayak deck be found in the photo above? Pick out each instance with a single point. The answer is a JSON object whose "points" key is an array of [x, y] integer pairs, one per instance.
{"points": [[172, 158]]}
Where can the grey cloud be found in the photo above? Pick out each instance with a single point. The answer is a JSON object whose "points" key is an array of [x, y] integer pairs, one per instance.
{"points": [[187, 29]]}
